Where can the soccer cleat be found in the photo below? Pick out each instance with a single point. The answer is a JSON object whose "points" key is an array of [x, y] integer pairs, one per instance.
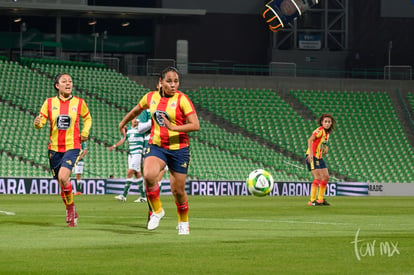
{"points": [[71, 215], [149, 217], [141, 199], [78, 193], [323, 202], [183, 228], [121, 198], [154, 221], [313, 203]]}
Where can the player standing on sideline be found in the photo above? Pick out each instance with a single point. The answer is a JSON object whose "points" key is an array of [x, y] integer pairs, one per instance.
{"points": [[136, 143], [316, 149], [80, 164], [63, 112], [173, 116]]}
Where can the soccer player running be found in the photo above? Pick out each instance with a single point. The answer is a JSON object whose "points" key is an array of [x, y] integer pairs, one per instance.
{"points": [[173, 116], [63, 112], [78, 169], [317, 147], [136, 143]]}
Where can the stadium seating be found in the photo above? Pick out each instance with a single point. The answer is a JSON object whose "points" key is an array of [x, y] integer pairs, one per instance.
{"points": [[241, 148], [367, 135], [366, 125], [355, 154], [23, 92]]}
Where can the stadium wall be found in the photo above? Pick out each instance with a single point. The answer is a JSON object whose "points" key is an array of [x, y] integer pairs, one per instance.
{"points": [[194, 81], [50, 186]]}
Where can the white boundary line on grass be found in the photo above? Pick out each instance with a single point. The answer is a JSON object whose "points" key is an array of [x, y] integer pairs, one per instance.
{"points": [[276, 221], [8, 213]]}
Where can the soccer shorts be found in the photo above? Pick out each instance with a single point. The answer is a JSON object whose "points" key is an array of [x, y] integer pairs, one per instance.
{"points": [[317, 164], [78, 169], [134, 162], [62, 159], [176, 160]]}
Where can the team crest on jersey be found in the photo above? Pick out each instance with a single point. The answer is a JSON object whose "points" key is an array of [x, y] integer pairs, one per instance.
{"points": [[74, 109], [173, 104], [159, 119], [63, 122]]}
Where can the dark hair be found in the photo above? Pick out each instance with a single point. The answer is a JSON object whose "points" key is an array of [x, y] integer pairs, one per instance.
{"points": [[168, 69], [332, 119], [57, 78]]}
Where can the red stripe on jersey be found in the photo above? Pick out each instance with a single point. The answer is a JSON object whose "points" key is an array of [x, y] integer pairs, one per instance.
{"points": [[164, 134], [63, 110]]}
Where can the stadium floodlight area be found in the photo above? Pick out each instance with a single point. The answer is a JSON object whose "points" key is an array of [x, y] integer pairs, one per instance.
{"points": [[155, 66], [398, 72], [282, 69]]}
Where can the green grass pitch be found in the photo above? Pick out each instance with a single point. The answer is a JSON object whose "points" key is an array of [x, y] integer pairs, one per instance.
{"points": [[229, 235]]}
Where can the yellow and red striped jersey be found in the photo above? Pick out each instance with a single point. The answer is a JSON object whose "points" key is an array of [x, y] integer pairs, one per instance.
{"points": [[176, 109], [64, 122], [318, 144]]}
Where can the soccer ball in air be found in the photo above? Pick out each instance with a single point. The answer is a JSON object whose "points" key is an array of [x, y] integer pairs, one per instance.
{"points": [[260, 182]]}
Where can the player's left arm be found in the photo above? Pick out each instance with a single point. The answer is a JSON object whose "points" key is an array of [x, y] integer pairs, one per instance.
{"points": [[87, 121], [192, 124], [189, 111]]}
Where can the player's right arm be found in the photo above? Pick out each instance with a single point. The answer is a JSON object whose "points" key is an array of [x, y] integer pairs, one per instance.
{"points": [[142, 104], [310, 147], [144, 127], [41, 119]]}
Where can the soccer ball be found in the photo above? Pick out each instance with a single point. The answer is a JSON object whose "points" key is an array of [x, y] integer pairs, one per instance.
{"points": [[260, 182]]}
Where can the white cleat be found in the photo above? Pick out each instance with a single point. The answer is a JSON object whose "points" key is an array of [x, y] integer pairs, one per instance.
{"points": [[141, 199], [183, 228], [154, 221], [121, 198]]}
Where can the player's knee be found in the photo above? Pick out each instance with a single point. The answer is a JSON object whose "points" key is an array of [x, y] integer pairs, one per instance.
{"points": [[325, 180], [178, 193]]}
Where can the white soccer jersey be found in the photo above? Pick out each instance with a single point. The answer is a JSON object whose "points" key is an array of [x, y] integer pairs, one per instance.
{"points": [[135, 140]]}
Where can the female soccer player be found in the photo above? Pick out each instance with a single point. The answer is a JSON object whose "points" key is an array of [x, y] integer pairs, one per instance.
{"points": [[63, 112], [173, 116], [316, 149]]}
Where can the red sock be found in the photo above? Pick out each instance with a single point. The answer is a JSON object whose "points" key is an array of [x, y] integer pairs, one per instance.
{"points": [[67, 194], [182, 211], [153, 195]]}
